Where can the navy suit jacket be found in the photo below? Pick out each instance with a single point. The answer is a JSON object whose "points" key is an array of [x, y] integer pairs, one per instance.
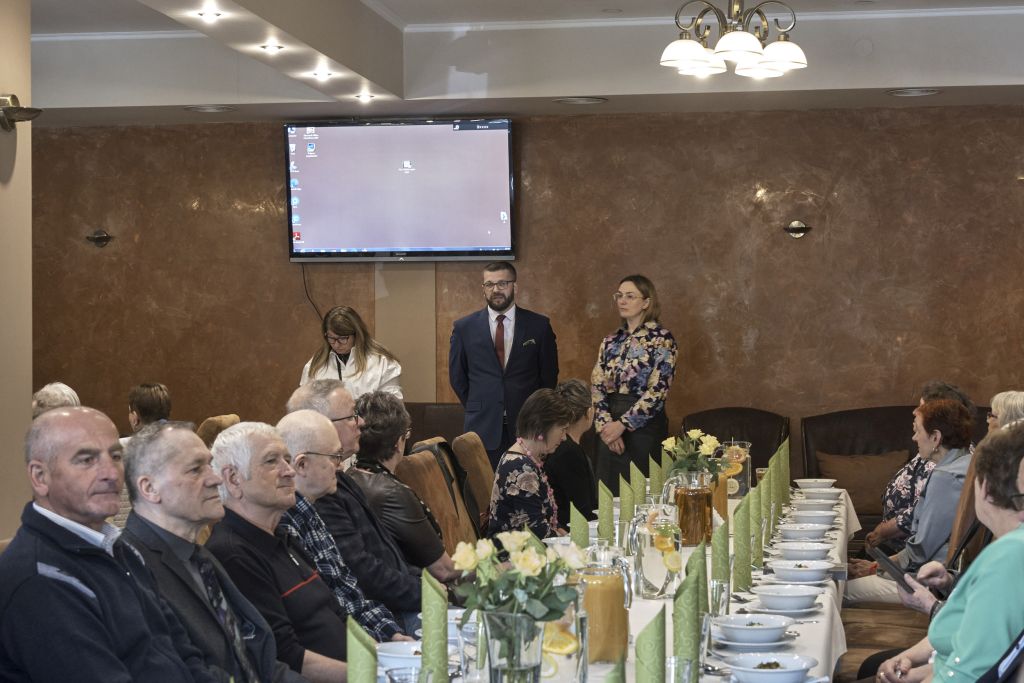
{"points": [[193, 609], [485, 391]]}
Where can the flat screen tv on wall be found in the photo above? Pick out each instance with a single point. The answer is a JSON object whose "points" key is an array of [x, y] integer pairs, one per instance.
{"points": [[399, 190]]}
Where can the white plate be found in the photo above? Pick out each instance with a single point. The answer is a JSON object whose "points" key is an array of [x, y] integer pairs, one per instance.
{"points": [[769, 578], [753, 647], [756, 606]]}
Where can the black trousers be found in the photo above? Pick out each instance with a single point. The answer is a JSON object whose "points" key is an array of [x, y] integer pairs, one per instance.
{"points": [[641, 445], [505, 444]]}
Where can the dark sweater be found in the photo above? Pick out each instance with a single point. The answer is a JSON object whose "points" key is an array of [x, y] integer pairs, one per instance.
{"points": [[572, 479]]}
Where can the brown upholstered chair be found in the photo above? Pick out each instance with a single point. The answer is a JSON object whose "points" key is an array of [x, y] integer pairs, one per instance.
{"points": [[962, 523], [435, 419], [470, 452], [212, 426], [421, 471]]}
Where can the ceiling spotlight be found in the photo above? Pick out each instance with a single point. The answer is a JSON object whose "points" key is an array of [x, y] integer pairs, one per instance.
{"points": [[364, 97], [912, 92], [209, 16], [210, 108], [611, 10], [581, 100], [322, 75], [272, 48]]}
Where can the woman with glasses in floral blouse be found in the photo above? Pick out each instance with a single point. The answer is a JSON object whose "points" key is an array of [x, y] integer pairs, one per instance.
{"points": [[630, 382]]}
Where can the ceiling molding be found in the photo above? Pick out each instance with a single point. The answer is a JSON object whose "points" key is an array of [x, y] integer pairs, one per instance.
{"points": [[116, 35], [386, 14]]}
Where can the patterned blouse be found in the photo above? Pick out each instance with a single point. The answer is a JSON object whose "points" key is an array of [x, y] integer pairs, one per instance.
{"points": [[640, 364], [903, 492], [521, 496]]}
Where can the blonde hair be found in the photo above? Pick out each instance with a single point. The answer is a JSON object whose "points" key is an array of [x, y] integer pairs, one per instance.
{"points": [[343, 321]]}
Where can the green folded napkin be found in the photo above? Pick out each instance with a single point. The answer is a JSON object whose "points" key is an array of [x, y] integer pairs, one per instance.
{"points": [[605, 513], [638, 482], [627, 508], [741, 545], [697, 564], [686, 620], [786, 474], [435, 627], [579, 527], [362, 652], [781, 485], [618, 673], [657, 478], [650, 650], [768, 497], [756, 549], [720, 553]]}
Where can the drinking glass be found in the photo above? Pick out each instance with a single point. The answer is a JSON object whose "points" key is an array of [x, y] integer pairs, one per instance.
{"points": [[719, 604], [678, 670], [411, 674], [475, 657]]}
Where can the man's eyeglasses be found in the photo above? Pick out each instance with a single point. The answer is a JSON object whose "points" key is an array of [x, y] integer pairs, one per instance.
{"points": [[331, 339], [353, 416], [335, 458], [500, 284], [628, 296], [992, 416]]}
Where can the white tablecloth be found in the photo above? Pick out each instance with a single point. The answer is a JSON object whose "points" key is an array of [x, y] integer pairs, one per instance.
{"points": [[824, 639]]}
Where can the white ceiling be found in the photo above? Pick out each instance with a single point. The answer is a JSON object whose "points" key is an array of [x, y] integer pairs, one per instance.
{"points": [[143, 61]]}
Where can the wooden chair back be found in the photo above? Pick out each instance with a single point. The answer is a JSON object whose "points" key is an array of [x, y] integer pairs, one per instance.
{"points": [[470, 452]]}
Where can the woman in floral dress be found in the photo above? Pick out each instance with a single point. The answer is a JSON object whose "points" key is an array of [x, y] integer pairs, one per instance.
{"points": [[630, 382], [521, 495]]}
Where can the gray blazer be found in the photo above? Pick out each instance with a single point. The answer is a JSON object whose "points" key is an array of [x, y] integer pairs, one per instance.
{"points": [[191, 606], [935, 512]]}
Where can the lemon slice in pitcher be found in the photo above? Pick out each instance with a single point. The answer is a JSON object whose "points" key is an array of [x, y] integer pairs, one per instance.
{"points": [[673, 560], [558, 640], [548, 666]]}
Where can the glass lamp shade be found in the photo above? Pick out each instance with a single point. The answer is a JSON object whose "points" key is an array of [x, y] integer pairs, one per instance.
{"points": [[757, 69], [738, 46], [714, 65], [684, 53], [784, 55]]}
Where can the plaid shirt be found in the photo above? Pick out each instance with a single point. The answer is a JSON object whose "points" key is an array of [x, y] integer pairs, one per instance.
{"points": [[304, 524]]}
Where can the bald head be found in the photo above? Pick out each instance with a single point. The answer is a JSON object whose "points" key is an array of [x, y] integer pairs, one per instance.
{"points": [[315, 449], [56, 426]]}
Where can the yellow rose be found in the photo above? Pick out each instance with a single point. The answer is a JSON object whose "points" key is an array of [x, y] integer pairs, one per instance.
{"points": [[695, 433], [484, 549], [710, 440], [706, 449], [513, 540], [669, 443], [464, 558], [527, 562]]}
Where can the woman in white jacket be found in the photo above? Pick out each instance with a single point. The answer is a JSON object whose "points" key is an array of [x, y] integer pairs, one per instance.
{"points": [[350, 354]]}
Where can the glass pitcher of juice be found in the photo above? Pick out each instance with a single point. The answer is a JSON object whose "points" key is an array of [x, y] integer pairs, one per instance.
{"points": [[691, 493], [607, 595]]}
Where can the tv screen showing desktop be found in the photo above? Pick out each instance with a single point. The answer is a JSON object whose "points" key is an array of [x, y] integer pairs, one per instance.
{"points": [[408, 190]]}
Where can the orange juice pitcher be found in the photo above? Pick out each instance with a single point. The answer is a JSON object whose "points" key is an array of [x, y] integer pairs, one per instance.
{"points": [[607, 595]]}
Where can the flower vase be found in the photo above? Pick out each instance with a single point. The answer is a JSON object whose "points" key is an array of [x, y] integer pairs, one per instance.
{"points": [[513, 647]]}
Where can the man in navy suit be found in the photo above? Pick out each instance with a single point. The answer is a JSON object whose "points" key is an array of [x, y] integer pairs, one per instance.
{"points": [[498, 357]]}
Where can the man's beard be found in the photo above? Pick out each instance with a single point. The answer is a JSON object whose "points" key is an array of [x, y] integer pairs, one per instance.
{"points": [[506, 301]]}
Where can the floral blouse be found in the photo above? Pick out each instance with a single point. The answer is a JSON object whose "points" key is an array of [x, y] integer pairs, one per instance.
{"points": [[521, 496], [639, 363], [903, 492]]}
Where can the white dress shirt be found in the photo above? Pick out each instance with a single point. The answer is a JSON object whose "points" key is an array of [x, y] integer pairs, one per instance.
{"points": [[101, 539], [510, 324]]}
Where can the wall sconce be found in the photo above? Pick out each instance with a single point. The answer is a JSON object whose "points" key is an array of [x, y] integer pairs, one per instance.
{"points": [[11, 112], [99, 238], [797, 229]]}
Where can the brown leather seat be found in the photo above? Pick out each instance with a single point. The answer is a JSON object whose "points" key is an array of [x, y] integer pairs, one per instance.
{"points": [[470, 452], [422, 472], [212, 426]]}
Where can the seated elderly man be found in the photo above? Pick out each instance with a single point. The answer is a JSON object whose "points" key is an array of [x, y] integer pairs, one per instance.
{"points": [[366, 546], [271, 569], [404, 515], [316, 453], [77, 604], [174, 494]]}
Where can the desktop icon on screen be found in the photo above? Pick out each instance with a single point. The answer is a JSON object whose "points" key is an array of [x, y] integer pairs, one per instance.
{"points": [[291, 130], [295, 201], [310, 147], [291, 148], [295, 219], [294, 182]]}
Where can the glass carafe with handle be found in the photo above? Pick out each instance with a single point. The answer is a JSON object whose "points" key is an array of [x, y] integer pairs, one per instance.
{"points": [[691, 493], [607, 594], [658, 561]]}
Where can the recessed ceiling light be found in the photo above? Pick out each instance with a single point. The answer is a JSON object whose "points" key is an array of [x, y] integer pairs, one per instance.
{"points": [[581, 100], [211, 108], [209, 16], [272, 48], [864, 2], [912, 92], [611, 10], [364, 97], [321, 75]]}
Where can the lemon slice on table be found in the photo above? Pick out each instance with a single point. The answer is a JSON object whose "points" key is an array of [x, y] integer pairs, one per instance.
{"points": [[558, 640], [548, 666], [673, 560]]}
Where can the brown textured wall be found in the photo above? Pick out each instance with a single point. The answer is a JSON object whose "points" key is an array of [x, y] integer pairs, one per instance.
{"points": [[912, 270], [195, 290]]}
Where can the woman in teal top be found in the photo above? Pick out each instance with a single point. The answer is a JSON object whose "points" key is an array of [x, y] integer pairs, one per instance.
{"points": [[985, 611]]}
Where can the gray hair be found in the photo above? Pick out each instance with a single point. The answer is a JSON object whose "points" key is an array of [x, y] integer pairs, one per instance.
{"points": [[43, 437], [299, 429], [54, 395], [314, 396], [233, 448], [1008, 406], [146, 453], [577, 395]]}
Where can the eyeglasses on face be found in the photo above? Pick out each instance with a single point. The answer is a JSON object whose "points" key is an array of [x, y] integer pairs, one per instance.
{"points": [[331, 339], [335, 458], [992, 416], [354, 416], [628, 296], [500, 284]]}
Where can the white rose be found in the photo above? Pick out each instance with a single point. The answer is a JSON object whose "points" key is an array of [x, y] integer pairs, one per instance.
{"points": [[527, 562], [484, 549], [513, 540], [464, 558], [571, 555]]}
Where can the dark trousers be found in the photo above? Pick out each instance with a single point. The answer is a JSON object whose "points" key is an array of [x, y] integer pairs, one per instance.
{"points": [[641, 445], [505, 443]]}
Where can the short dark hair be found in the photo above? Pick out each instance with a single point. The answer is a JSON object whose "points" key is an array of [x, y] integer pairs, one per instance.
{"points": [[935, 389], [496, 266], [997, 463], [543, 410], [386, 420], [151, 402], [950, 418], [577, 396]]}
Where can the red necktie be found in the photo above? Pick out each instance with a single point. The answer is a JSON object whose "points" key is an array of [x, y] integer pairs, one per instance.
{"points": [[499, 341]]}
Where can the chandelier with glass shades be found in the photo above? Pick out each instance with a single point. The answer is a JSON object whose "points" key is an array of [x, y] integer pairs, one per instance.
{"points": [[742, 39]]}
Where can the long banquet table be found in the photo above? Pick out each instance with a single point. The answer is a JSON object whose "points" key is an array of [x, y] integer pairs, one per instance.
{"points": [[822, 637]]}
